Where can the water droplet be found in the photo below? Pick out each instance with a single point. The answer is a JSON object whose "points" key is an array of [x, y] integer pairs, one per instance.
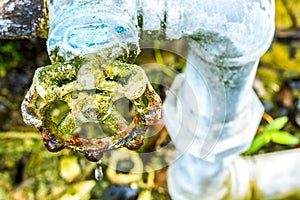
{"points": [[93, 155], [53, 146], [98, 171]]}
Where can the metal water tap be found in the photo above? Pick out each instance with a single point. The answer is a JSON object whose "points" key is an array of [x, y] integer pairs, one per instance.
{"points": [[91, 48], [211, 111]]}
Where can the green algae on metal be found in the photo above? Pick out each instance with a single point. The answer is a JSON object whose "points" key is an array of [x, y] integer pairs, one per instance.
{"points": [[89, 85]]}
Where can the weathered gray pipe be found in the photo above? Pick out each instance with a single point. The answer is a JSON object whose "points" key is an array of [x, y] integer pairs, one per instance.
{"points": [[264, 177], [211, 111], [274, 175]]}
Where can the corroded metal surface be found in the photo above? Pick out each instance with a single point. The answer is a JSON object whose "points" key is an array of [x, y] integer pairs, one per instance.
{"points": [[89, 86], [23, 19]]}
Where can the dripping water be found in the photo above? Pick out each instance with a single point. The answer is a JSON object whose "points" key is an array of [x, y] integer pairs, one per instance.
{"points": [[98, 171]]}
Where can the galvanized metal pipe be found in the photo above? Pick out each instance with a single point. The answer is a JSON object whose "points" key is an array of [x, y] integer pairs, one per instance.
{"points": [[211, 111], [264, 177], [219, 112]]}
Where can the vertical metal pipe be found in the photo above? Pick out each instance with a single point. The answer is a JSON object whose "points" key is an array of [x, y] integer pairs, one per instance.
{"points": [[211, 111]]}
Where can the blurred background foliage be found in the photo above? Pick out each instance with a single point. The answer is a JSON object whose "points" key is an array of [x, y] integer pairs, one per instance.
{"points": [[29, 171], [278, 79]]}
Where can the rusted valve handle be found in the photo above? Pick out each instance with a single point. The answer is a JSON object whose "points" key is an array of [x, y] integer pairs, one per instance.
{"points": [[89, 85]]}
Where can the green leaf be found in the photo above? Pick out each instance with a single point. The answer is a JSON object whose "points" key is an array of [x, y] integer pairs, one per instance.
{"points": [[277, 124], [285, 138], [258, 142]]}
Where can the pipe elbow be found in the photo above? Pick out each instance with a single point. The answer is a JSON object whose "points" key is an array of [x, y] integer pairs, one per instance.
{"points": [[230, 33]]}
